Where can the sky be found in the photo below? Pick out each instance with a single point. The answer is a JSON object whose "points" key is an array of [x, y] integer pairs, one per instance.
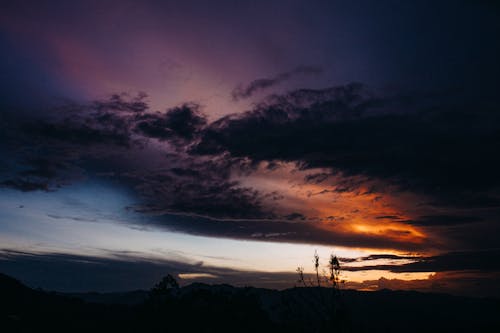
{"points": [[226, 142]]}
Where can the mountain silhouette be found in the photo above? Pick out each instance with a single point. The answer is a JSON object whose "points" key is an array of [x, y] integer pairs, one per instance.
{"points": [[223, 308]]}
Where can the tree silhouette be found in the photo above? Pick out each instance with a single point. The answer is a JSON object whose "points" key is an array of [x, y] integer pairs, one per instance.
{"points": [[334, 267], [165, 286]]}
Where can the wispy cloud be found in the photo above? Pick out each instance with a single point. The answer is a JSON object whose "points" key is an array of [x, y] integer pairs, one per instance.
{"points": [[246, 91]]}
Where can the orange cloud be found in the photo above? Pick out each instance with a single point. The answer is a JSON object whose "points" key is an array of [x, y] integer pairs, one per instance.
{"points": [[338, 204]]}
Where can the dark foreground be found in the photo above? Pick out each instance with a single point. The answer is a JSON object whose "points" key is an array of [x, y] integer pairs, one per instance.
{"points": [[222, 308]]}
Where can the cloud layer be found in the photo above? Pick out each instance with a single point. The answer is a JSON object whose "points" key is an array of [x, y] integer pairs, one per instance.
{"points": [[347, 165]]}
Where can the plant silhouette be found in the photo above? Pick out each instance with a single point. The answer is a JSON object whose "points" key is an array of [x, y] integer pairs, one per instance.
{"points": [[331, 315], [165, 286]]}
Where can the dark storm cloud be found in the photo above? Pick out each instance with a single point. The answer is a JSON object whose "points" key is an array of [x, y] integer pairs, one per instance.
{"points": [[83, 127], [76, 140], [443, 220], [247, 91], [386, 256], [25, 185], [438, 145], [123, 103], [472, 260], [182, 122], [436, 220], [485, 261], [284, 117], [265, 226], [115, 121], [419, 142], [295, 216], [82, 134], [198, 188], [34, 162], [46, 151], [43, 168]]}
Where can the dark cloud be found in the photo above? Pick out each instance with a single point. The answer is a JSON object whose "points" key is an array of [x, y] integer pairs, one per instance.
{"points": [[123, 103], [45, 152], [182, 122], [443, 148], [266, 226], [316, 178], [112, 135], [104, 122], [386, 256], [279, 117], [247, 91], [205, 191], [70, 132], [484, 261], [25, 185], [444, 220], [361, 140], [38, 173], [472, 260], [388, 217], [295, 216], [392, 257], [42, 168]]}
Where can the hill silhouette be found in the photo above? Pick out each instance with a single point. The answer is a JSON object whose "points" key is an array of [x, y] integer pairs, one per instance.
{"points": [[224, 308]]}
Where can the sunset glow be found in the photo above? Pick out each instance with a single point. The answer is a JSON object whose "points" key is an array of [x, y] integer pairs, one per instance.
{"points": [[226, 143]]}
